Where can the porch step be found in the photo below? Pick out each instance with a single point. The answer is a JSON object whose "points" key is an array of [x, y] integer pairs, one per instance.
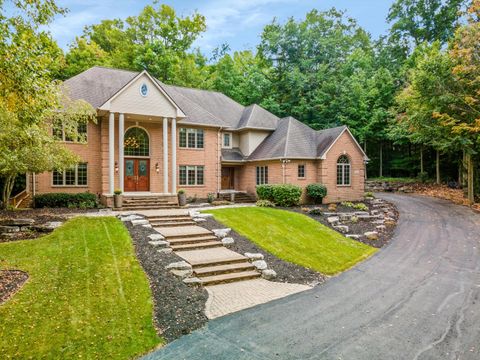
{"points": [[149, 207], [240, 197], [196, 245], [192, 240], [231, 277], [222, 269]]}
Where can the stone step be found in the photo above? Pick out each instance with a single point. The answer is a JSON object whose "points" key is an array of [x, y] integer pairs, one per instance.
{"points": [[193, 240], [196, 245], [149, 207], [222, 269], [172, 223], [168, 218], [139, 204], [180, 232], [227, 278], [217, 262]]}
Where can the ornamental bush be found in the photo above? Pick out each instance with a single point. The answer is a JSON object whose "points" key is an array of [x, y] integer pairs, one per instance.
{"points": [[265, 203], [281, 195], [316, 192], [54, 200]]}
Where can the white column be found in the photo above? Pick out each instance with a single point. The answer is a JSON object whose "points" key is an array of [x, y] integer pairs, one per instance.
{"points": [[174, 155], [165, 155], [111, 153], [121, 132]]}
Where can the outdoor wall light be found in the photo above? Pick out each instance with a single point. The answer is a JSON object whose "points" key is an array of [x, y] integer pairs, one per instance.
{"points": [[116, 167], [157, 168]]}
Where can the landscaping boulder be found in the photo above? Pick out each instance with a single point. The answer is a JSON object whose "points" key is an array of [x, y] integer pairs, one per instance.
{"points": [[140, 222], [371, 235], [9, 229], [166, 250], [353, 236], [333, 219], [192, 281], [148, 226], [221, 233], [381, 228], [269, 274], [260, 264], [182, 273], [156, 237], [360, 213], [130, 217], [203, 216], [159, 243], [21, 222], [254, 256], [180, 265], [197, 219], [228, 241], [342, 228], [345, 216]]}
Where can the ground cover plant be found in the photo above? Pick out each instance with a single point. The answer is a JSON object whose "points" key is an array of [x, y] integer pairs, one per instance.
{"points": [[86, 296], [295, 238]]}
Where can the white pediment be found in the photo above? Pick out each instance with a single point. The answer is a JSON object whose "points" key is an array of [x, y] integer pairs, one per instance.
{"points": [[143, 96]]}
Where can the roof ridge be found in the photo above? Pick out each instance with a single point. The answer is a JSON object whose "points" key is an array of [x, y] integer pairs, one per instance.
{"points": [[110, 68]]}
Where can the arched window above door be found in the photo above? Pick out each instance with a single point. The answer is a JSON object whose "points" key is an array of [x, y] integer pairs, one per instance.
{"points": [[136, 142]]}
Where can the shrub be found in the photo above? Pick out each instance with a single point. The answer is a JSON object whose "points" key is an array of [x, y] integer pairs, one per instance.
{"points": [[357, 206], [281, 195], [369, 195], [265, 203], [53, 200], [316, 192], [118, 192], [315, 211], [423, 177], [210, 198]]}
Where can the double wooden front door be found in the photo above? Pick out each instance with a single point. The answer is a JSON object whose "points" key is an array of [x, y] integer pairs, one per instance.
{"points": [[137, 175], [227, 178]]}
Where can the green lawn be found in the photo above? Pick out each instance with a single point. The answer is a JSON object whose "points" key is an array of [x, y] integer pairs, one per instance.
{"points": [[395, 180], [87, 296], [295, 238]]}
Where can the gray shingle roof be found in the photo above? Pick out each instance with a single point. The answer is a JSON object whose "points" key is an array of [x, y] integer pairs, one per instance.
{"points": [[233, 154], [289, 138]]}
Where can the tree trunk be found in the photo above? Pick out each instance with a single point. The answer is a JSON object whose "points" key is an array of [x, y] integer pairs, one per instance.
{"points": [[470, 194], [381, 160], [438, 167], [7, 190], [421, 160]]}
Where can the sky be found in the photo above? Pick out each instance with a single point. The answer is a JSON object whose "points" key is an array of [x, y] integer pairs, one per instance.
{"points": [[236, 22]]}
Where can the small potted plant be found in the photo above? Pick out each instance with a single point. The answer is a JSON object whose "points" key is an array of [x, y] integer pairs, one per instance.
{"points": [[117, 198], [182, 197]]}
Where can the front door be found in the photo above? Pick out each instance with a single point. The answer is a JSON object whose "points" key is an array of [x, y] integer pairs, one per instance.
{"points": [[227, 178], [137, 175]]}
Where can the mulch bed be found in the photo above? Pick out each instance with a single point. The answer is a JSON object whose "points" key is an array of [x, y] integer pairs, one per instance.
{"points": [[359, 227], [179, 308], [286, 272], [10, 282]]}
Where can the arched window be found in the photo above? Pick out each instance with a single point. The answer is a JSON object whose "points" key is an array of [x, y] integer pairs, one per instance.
{"points": [[136, 142], [343, 171]]}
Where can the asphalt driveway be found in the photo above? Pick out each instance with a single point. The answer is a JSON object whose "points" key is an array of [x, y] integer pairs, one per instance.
{"points": [[419, 298]]}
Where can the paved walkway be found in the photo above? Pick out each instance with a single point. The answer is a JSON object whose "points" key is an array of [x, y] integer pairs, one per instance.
{"points": [[416, 299], [225, 299]]}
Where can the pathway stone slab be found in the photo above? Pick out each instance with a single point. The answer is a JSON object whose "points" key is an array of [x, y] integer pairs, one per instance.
{"points": [[224, 299], [182, 230], [206, 255]]}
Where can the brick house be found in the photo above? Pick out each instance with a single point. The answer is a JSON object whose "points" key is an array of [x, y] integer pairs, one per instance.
{"points": [[152, 138]]}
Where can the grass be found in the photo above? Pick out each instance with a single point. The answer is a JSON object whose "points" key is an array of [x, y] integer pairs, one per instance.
{"points": [[394, 180], [295, 238], [87, 296]]}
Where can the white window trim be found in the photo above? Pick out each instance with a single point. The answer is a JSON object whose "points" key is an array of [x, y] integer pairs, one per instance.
{"points": [[195, 131], [344, 165], [76, 179], [304, 171], [196, 176], [63, 139], [223, 140]]}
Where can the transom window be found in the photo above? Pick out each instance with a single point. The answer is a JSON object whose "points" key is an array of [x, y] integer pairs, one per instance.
{"points": [[191, 138], [262, 175], [136, 142], [227, 140], [75, 176], [301, 171], [343, 171], [77, 134], [191, 175]]}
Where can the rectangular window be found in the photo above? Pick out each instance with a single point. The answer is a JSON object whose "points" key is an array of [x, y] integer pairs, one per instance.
{"points": [[227, 140], [76, 176], [191, 138], [191, 175], [79, 134], [262, 175], [343, 174], [301, 171]]}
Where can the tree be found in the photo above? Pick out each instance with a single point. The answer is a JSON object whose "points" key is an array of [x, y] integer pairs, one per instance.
{"points": [[29, 98], [418, 21]]}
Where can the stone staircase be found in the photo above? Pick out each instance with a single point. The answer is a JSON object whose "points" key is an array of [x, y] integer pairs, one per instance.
{"points": [[149, 202], [215, 272]]}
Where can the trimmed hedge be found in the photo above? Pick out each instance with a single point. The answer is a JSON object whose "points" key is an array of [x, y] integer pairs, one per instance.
{"points": [[84, 200], [316, 192], [281, 195]]}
